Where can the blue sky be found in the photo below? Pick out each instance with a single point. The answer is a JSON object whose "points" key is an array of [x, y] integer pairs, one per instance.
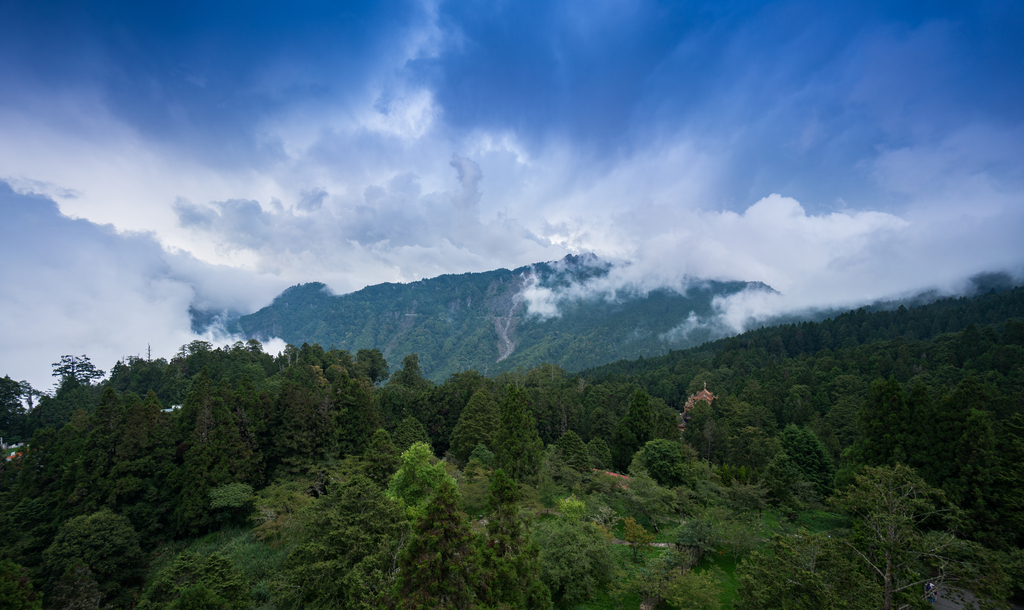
{"points": [[214, 153]]}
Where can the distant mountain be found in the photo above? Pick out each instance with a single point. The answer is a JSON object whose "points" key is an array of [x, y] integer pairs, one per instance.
{"points": [[481, 320]]}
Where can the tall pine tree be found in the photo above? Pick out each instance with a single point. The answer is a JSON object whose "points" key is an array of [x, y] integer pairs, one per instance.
{"points": [[517, 445]]}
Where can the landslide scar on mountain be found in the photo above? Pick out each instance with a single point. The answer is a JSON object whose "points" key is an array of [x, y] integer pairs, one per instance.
{"points": [[505, 302]]}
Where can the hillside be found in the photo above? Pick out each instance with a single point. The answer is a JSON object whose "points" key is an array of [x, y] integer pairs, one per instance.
{"points": [[481, 321]]}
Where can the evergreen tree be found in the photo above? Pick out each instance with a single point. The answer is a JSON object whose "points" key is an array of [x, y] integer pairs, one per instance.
{"points": [[409, 432], [358, 416], [438, 568], [633, 431], [574, 452], [143, 463], [809, 456], [517, 446], [94, 484], [108, 545], [381, 458], [477, 424], [215, 455], [600, 454], [510, 561], [418, 478], [212, 578], [346, 554]]}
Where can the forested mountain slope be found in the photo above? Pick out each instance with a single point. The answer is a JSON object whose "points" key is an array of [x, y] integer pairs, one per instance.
{"points": [[480, 320], [314, 476]]}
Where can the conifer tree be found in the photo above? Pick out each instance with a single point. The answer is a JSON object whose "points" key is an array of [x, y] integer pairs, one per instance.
{"points": [[438, 568], [381, 458], [600, 454], [144, 457], [96, 460], [409, 431], [633, 431], [216, 455], [574, 452], [358, 418], [477, 424], [517, 445], [510, 561]]}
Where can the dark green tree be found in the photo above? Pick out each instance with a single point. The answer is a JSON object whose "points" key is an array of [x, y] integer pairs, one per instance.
{"points": [[664, 460], [477, 424], [370, 364], [633, 431], [517, 446], [108, 545], [600, 454], [804, 572], [574, 452], [409, 432], [510, 561], [348, 543], [16, 591], [575, 558], [381, 458], [438, 568], [12, 411], [809, 456]]}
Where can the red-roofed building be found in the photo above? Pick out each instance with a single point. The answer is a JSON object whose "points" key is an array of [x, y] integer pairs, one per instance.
{"points": [[702, 396]]}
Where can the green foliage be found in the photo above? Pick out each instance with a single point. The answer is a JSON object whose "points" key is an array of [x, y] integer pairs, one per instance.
{"points": [[781, 477], [197, 581], [418, 478], [517, 446], [809, 456], [409, 432], [600, 454], [693, 590], [381, 458], [510, 562], [663, 459], [697, 535], [890, 507], [639, 539], [477, 424], [633, 431], [482, 454], [437, 568], [349, 539], [572, 508], [574, 452], [804, 572], [16, 591], [575, 559], [108, 545]]}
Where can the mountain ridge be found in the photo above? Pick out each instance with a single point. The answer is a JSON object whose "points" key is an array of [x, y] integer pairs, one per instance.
{"points": [[482, 321]]}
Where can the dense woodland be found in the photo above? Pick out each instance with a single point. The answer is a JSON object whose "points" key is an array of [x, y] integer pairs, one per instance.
{"points": [[844, 464]]}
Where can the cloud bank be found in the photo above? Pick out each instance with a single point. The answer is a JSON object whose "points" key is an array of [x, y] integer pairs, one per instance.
{"points": [[202, 154]]}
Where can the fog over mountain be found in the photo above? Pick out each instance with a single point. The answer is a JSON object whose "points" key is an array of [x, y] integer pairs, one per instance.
{"points": [[155, 159]]}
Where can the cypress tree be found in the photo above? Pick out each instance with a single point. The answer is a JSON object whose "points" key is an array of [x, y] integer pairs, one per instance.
{"points": [[477, 424], [409, 432], [517, 445], [437, 568], [510, 561], [381, 458], [633, 431], [574, 452]]}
